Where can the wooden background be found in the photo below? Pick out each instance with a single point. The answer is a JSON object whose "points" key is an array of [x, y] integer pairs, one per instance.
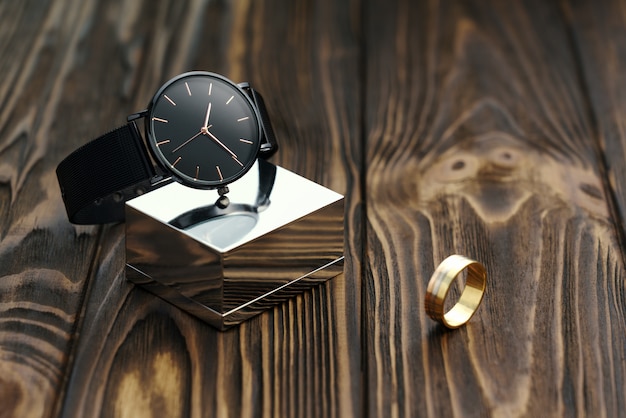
{"points": [[494, 129]]}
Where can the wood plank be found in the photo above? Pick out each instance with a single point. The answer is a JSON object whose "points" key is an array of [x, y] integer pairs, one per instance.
{"points": [[480, 142], [140, 356], [598, 35], [43, 260]]}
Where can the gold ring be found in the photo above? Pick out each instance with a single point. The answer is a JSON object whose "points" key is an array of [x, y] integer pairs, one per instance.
{"points": [[470, 298]]}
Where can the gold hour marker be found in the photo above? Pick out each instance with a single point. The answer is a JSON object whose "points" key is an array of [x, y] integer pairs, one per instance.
{"points": [[210, 88], [176, 162], [167, 141], [197, 172], [219, 172], [245, 141], [169, 100], [160, 120], [242, 119], [231, 98], [188, 90]]}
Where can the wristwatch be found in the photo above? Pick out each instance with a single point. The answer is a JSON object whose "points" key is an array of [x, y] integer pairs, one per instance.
{"points": [[201, 130]]}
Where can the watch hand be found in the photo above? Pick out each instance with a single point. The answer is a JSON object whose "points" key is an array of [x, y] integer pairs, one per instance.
{"points": [[186, 142], [223, 146], [206, 118]]}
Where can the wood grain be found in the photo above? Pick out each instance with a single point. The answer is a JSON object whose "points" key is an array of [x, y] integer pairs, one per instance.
{"points": [[480, 143], [487, 128], [598, 34], [44, 261]]}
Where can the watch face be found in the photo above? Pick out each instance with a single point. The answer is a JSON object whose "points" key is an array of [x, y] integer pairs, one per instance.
{"points": [[204, 129]]}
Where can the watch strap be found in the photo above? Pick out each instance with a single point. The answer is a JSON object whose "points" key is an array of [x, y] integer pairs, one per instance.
{"points": [[267, 177], [269, 145], [98, 178]]}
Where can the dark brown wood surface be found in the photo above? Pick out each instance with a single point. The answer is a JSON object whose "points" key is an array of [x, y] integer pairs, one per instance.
{"points": [[487, 128]]}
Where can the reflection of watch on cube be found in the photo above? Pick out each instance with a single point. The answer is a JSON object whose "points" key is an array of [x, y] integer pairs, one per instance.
{"points": [[203, 214], [201, 130], [225, 225]]}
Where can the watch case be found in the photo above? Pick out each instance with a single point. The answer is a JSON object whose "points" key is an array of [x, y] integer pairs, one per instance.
{"points": [[280, 235]]}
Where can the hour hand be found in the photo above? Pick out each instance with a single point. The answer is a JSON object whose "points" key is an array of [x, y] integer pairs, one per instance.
{"points": [[186, 142]]}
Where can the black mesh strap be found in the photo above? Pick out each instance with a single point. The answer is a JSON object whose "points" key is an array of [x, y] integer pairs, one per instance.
{"points": [[98, 178]]}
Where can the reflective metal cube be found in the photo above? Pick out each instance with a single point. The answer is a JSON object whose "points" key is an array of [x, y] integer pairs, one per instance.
{"points": [[278, 235]]}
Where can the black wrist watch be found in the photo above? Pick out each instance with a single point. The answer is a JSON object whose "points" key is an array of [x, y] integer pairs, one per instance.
{"points": [[201, 130]]}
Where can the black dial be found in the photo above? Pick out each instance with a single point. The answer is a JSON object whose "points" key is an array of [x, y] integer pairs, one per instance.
{"points": [[204, 129]]}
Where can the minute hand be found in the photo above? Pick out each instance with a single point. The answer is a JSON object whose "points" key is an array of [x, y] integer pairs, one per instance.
{"points": [[223, 146], [206, 118]]}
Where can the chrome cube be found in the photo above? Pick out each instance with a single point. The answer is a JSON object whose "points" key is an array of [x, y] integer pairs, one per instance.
{"points": [[278, 235]]}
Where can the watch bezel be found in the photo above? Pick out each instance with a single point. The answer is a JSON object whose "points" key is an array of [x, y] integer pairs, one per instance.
{"points": [[177, 175]]}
